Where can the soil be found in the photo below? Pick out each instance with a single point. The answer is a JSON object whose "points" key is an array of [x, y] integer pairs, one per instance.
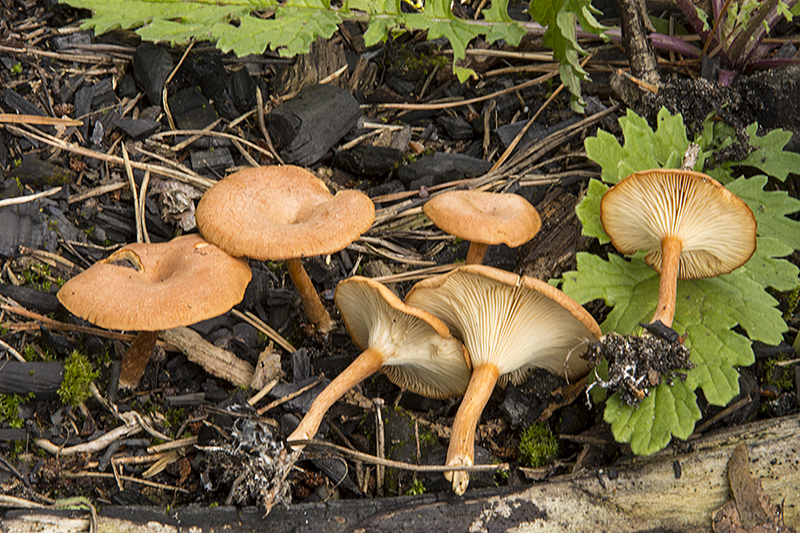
{"points": [[229, 451]]}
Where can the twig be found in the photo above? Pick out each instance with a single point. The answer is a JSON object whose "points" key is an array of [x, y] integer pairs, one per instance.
{"points": [[131, 479], [180, 443], [12, 118], [131, 427], [264, 328], [142, 206], [262, 125], [30, 197], [12, 351], [291, 396], [164, 98], [96, 191], [448, 105], [195, 181], [137, 208], [371, 459]]}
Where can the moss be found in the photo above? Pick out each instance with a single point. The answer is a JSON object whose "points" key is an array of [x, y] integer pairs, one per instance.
{"points": [[9, 409], [417, 487], [78, 376], [778, 375], [537, 445]]}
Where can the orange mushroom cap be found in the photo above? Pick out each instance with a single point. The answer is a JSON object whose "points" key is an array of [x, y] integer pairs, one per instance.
{"points": [[484, 217], [281, 212], [150, 287]]}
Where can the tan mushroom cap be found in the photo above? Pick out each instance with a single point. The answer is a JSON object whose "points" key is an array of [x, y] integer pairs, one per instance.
{"points": [[419, 353], [484, 217], [281, 212], [716, 229], [516, 323], [413, 348], [150, 287], [509, 325]]}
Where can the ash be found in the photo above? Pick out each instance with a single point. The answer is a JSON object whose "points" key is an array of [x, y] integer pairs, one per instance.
{"points": [[253, 463], [636, 364]]}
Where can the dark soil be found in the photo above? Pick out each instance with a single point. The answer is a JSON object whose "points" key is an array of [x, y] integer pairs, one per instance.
{"points": [[238, 456]]}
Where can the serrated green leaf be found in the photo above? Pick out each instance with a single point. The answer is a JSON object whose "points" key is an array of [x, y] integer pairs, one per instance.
{"points": [[503, 27], [668, 411], [707, 310], [769, 156], [588, 211], [559, 18]]}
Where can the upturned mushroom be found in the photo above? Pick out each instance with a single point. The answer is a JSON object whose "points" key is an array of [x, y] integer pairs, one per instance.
{"points": [[690, 225], [151, 287], [509, 325], [284, 213], [412, 347], [484, 218]]}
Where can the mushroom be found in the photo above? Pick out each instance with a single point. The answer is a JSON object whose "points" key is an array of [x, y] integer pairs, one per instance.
{"points": [[412, 347], [484, 218], [150, 287], [509, 325], [691, 226], [284, 213]]}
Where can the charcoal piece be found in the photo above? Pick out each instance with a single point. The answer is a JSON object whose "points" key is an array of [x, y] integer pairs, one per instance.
{"points": [[242, 89], [104, 95], [301, 366], [400, 86], [214, 81], [300, 403], [29, 298], [137, 129], [83, 106], [307, 126], [41, 378], [338, 472], [191, 109], [126, 88], [151, 67], [515, 406], [25, 225], [64, 42], [185, 400], [16, 102], [457, 128], [368, 160], [7, 434], [387, 187], [443, 167], [37, 173], [217, 159], [68, 88]]}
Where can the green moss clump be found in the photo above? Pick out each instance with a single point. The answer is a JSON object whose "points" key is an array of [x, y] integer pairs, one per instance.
{"points": [[9, 409], [537, 445], [78, 376], [778, 375]]}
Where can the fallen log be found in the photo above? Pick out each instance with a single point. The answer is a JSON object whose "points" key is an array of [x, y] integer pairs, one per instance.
{"points": [[648, 494]]}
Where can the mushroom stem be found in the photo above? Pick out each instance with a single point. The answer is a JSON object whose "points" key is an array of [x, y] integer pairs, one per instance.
{"points": [[668, 285], [462, 438], [136, 358], [366, 364], [312, 303], [476, 252]]}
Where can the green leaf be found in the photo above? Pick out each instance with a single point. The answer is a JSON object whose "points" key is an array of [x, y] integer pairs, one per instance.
{"points": [[668, 411], [707, 310], [769, 156], [589, 211], [559, 17]]}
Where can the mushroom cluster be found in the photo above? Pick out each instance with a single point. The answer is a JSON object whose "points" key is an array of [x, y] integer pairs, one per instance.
{"points": [[412, 347], [284, 213]]}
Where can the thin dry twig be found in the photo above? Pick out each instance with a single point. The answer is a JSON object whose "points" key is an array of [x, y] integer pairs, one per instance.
{"points": [[371, 459], [291, 396]]}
